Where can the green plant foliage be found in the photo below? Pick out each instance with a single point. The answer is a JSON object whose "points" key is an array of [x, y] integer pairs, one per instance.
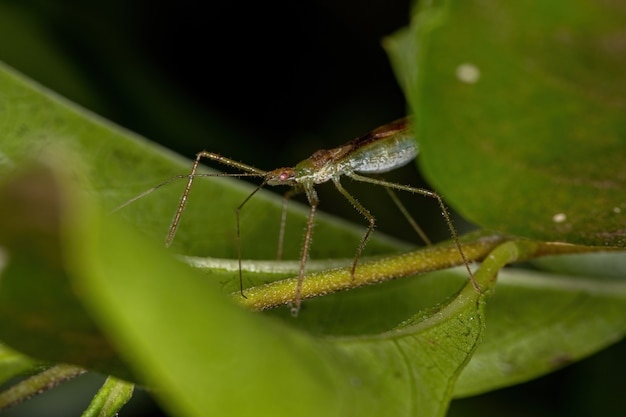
{"points": [[541, 322], [520, 110], [40, 310], [13, 364], [96, 289], [42, 217], [184, 336]]}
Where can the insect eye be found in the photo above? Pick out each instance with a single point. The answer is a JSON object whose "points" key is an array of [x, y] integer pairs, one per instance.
{"points": [[285, 175]]}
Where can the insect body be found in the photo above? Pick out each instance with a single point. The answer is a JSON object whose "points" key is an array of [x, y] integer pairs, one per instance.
{"points": [[381, 150]]}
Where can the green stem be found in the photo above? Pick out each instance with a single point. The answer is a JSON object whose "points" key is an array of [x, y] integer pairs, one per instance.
{"points": [[493, 250], [38, 384], [110, 398]]}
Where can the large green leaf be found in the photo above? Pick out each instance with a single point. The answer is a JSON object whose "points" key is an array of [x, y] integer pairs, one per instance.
{"points": [[41, 314], [521, 126], [521, 117], [13, 364]]}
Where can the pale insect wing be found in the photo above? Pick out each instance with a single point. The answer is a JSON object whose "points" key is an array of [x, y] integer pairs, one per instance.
{"points": [[385, 154]]}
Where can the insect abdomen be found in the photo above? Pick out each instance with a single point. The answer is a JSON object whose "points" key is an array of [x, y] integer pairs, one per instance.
{"points": [[384, 155]]}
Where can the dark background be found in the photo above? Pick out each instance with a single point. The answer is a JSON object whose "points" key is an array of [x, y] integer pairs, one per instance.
{"points": [[266, 83], [172, 71]]}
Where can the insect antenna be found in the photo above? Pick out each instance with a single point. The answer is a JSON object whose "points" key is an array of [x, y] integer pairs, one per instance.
{"points": [[178, 177]]}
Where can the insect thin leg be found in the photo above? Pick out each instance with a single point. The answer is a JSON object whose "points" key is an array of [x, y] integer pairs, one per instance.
{"points": [[183, 201], [408, 216], [250, 171], [304, 256], [444, 213], [237, 215], [366, 214], [283, 221], [455, 237]]}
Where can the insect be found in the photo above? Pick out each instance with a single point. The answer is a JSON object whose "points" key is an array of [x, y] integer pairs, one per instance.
{"points": [[384, 149]]}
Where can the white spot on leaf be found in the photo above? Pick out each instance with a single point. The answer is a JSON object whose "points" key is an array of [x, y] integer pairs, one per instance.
{"points": [[468, 73]]}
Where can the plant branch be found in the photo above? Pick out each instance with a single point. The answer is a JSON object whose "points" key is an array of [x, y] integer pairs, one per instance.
{"points": [[38, 384], [494, 251]]}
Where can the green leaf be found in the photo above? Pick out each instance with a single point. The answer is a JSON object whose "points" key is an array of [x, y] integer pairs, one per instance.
{"points": [[538, 322], [534, 146], [40, 312], [520, 107], [13, 364]]}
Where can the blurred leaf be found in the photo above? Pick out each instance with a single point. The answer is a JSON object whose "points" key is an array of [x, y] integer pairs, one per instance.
{"points": [[40, 312], [521, 113], [600, 265], [13, 364]]}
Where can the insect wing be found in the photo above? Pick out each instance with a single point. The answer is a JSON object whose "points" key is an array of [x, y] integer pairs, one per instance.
{"points": [[384, 149]]}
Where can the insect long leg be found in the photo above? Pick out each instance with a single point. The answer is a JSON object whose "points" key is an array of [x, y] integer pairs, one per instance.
{"points": [[365, 212], [408, 216], [444, 213], [251, 171], [237, 212], [183, 201], [313, 202], [283, 219]]}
